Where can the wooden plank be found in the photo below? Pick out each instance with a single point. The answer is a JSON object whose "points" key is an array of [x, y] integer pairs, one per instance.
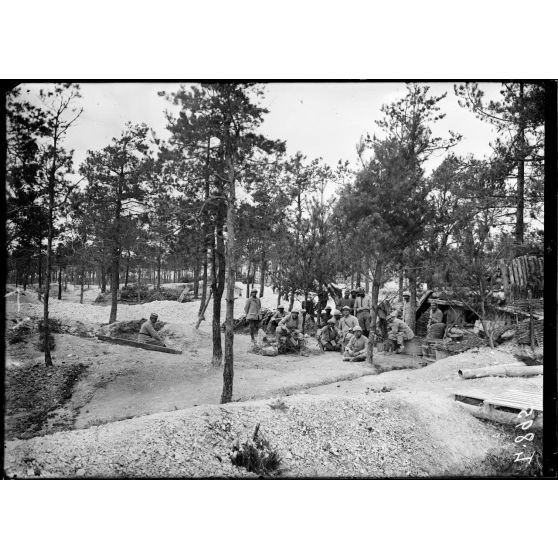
{"points": [[526, 270], [486, 412], [519, 405], [514, 273], [130, 343], [521, 272], [516, 399]]}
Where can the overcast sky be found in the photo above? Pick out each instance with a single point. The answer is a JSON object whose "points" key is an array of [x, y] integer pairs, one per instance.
{"points": [[319, 119]]}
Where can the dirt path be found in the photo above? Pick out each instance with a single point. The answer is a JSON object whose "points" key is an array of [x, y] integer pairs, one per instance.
{"points": [[155, 382]]}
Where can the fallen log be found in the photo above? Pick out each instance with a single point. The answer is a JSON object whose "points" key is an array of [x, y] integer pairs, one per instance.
{"points": [[487, 412], [514, 369], [146, 346]]}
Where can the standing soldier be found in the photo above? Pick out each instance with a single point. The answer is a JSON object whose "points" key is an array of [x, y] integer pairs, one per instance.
{"points": [[347, 300], [363, 304], [252, 310], [352, 301]]}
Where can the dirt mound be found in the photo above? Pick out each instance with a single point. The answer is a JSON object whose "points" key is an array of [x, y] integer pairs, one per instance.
{"points": [[374, 435], [127, 329], [130, 295], [33, 392]]}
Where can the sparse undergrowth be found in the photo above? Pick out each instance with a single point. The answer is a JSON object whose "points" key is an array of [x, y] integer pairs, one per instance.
{"points": [[33, 393], [502, 462], [256, 456]]}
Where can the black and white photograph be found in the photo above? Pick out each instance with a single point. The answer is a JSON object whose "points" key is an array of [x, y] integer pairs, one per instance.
{"points": [[276, 279]]}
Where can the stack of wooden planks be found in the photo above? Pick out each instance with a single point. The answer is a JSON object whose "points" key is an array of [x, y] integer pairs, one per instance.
{"points": [[501, 405]]}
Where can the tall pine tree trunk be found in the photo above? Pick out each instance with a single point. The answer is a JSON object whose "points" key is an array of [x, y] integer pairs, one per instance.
{"points": [[248, 278], [520, 210], [39, 270], [159, 271], [115, 282], [81, 282], [411, 275], [197, 274], [262, 276], [204, 281], [206, 243], [51, 187], [103, 279], [115, 261], [59, 282], [228, 371], [376, 284], [127, 272], [218, 287]]}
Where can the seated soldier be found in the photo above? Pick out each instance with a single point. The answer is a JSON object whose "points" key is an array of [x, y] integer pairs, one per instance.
{"points": [[290, 327], [148, 334], [276, 318], [336, 315], [356, 347], [435, 319], [436, 315], [398, 332], [329, 337], [347, 322]]}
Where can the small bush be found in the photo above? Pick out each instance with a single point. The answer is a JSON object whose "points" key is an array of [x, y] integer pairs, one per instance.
{"points": [[256, 455]]}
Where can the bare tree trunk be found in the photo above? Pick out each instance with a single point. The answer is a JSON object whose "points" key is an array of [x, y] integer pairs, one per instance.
{"points": [[127, 271], [59, 282], [262, 276], [103, 279], [159, 271], [51, 187], [413, 299], [201, 311], [81, 283], [115, 263], [400, 290], [114, 285], [40, 274], [218, 287], [376, 284], [204, 282], [139, 284], [248, 278], [197, 275], [228, 371], [519, 221]]}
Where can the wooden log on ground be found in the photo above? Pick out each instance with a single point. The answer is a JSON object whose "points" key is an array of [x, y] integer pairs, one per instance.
{"points": [[487, 412], [515, 369], [146, 346]]}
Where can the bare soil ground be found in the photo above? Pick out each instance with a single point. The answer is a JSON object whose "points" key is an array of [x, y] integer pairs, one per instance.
{"points": [[342, 419]]}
